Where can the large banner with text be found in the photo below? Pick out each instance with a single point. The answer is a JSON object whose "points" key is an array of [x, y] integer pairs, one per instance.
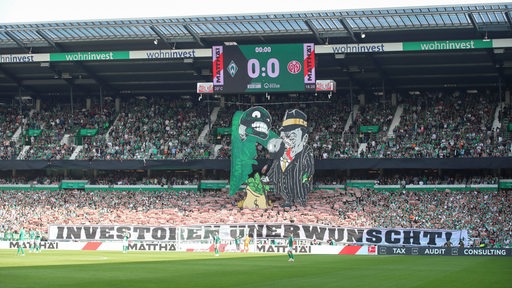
{"points": [[228, 232]]}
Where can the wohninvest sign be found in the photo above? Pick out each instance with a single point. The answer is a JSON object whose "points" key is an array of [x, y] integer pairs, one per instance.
{"points": [[90, 56], [447, 45]]}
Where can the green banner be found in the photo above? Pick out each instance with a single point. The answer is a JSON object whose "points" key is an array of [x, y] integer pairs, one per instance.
{"points": [[34, 132], [329, 187], [73, 184], [223, 131], [87, 132], [360, 184], [446, 45], [437, 188], [207, 53], [141, 188], [213, 184], [369, 129], [509, 127], [28, 187], [90, 56], [505, 184]]}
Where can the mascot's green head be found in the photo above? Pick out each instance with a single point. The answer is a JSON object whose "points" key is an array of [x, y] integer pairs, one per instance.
{"points": [[255, 121]]}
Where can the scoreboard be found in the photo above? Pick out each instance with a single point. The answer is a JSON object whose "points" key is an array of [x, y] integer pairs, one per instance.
{"points": [[263, 68]]}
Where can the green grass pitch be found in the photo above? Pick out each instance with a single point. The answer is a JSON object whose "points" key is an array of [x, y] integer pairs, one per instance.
{"points": [[97, 269]]}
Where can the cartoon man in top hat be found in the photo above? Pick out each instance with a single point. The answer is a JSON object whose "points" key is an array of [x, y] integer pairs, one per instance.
{"points": [[293, 166]]}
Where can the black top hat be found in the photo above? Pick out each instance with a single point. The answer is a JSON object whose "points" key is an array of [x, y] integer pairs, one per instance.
{"points": [[294, 119]]}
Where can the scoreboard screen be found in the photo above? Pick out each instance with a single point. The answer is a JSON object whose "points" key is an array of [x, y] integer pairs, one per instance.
{"points": [[263, 68]]}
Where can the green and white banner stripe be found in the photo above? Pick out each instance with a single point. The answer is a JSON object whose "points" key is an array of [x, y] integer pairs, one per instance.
{"points": [[204, 53]]}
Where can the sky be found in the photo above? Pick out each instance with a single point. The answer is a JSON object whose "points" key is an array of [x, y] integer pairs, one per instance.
{"points": [[33, 11]]}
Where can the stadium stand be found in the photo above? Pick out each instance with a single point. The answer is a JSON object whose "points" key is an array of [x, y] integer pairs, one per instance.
{"points": [[397, 118], [481, 213]]}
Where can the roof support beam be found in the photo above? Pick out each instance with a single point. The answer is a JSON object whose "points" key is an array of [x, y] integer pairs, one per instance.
{"points": [[360, 84], [347, 27], [70, 82], [162, 36], [473, 21], [352, 77], [13, 78], [47, 38], [498, 64], [18, 41], [194, 34], [10, 76], [313, 29], [383, 75], [58, 48], [509, 20]]}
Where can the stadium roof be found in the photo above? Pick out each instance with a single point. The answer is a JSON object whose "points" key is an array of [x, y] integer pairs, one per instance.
{"points": [[485, 67]]}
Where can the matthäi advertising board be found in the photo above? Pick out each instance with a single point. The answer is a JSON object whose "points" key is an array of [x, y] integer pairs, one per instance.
{"points": [[260, 247]]}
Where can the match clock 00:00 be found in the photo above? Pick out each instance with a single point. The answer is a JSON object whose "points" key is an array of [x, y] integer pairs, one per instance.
{"points": [[263, 68]]}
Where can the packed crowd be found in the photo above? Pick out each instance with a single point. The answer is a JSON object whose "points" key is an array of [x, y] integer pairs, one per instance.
{"points": [[152, 129], [444, 127], [108, 178], [485, 215], [10, 121], [180, 178], [437, 180], [431, 126], [55, 123]]}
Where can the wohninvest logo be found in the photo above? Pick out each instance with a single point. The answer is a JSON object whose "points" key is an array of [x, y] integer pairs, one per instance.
{"points": [[16, 58], [90, 56], [447, 45], [358, 48]]}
